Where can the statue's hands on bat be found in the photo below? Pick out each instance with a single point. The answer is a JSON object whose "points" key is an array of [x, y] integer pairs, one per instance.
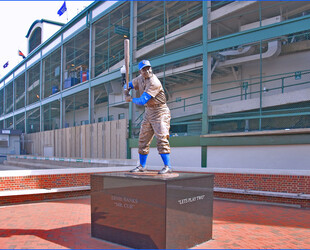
{"points": [[128, 98], [126, 92], [127, 88]]}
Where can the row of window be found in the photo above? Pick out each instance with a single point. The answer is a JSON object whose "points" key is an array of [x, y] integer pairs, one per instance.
{"points": [[107, 50]]}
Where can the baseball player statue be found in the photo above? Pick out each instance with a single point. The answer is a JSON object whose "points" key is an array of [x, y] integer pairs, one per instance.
{"points": [[156, 118]]}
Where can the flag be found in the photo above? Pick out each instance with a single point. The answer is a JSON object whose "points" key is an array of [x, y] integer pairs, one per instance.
{"points": [[62, 9], [6, 64], [21, 54]]}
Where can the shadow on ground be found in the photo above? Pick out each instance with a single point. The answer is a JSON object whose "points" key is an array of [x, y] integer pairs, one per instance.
{"points": [[73, 237]]}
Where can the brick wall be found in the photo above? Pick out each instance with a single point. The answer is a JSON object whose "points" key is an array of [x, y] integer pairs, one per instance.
{"points": [[260, 182], [44, 181]]}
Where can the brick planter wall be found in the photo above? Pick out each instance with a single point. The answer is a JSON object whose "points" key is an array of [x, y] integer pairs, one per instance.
{"points": [[258, 182], [303, 203], [261, 182], [44, 181], [32, 182]]}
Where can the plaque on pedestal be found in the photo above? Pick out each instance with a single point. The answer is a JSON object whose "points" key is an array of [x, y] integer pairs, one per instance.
{"points": [[147, 210]]}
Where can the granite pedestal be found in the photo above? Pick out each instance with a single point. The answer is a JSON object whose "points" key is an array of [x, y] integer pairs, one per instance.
{"points": [[152, 211]]}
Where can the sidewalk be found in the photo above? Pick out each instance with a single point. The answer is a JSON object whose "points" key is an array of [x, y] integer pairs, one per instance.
{"points": [[64, 224]]}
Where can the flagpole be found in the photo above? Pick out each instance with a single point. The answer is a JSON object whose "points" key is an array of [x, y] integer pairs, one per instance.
{"points": [[67, 14], [62, 10]]}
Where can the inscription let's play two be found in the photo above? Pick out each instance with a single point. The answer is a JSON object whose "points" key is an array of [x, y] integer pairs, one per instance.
{"points": [[192, 199]]}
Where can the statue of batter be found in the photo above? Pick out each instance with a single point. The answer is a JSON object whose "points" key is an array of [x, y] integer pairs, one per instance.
{"points": [[156, 118]]}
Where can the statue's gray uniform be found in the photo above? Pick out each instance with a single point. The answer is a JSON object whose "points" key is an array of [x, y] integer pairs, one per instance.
{"points": [[157, 116]]}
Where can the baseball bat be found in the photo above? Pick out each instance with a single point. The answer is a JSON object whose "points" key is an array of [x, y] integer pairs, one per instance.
{"points": [[126, 57]]}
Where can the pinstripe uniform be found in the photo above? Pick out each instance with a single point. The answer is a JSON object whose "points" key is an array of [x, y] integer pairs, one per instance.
{"points": [[156, 120]]}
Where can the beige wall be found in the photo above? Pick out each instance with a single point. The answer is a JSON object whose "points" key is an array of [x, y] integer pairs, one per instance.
{"points": [[97, 140]]}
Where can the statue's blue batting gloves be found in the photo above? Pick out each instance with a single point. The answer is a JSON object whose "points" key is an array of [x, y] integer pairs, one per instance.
{"points": [[130, 86]]}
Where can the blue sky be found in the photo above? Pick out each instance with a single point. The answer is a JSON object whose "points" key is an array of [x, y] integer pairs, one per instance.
{"points": [[16, 18]]}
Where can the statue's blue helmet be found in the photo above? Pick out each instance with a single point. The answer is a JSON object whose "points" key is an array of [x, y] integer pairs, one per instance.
{"points": [[144, 63]]}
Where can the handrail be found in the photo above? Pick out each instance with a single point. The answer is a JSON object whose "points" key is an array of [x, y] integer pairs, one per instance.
{"points": [[258, 116], [258, 77], [245, 93]]}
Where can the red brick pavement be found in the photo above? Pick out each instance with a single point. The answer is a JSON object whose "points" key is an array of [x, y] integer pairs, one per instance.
{"points": [[64, 224]]}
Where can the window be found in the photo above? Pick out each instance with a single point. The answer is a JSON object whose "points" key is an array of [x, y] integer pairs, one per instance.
{"points": [[76, 109], [20, 122], [20, 92], [110, 32], [35, 39], [9, 98], [9, 123], [121, 116], [33, 84], [51, 115], [51, 74], [76, 60], [33, 120], [1, 101]]}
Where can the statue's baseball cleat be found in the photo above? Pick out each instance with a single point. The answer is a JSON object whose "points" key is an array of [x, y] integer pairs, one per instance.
{"points": [[138, 169], [165, 170]]}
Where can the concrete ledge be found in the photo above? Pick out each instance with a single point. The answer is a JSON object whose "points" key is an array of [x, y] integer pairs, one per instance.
{"points": [[263, 193], [290, 172], [119, 162], [42, 191], [258, 133], [9, 173]]}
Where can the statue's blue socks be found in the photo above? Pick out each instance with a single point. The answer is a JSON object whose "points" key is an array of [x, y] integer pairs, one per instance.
{"points": [[143, 160], [166, 159]]}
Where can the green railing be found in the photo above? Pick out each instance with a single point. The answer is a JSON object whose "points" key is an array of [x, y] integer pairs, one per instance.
{"points": [[184, 103], [278, 82]]}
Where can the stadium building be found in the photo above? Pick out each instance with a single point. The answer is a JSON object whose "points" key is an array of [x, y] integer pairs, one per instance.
{"points": [[235, 73]]}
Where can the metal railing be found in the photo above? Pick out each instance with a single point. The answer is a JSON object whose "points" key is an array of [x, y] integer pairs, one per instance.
{"points": [[277, 82]]}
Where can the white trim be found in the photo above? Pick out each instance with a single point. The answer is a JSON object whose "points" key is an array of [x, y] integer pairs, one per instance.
{"points": [[8, 79], [263, 193], [74, 28], [19, 70], [51, 45], [42, 191], [33, 60], [11, 173], [101, 8], [245, 171]]}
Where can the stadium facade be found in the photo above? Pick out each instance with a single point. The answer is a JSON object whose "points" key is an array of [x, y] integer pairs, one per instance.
{"points": [[236, 75]]}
